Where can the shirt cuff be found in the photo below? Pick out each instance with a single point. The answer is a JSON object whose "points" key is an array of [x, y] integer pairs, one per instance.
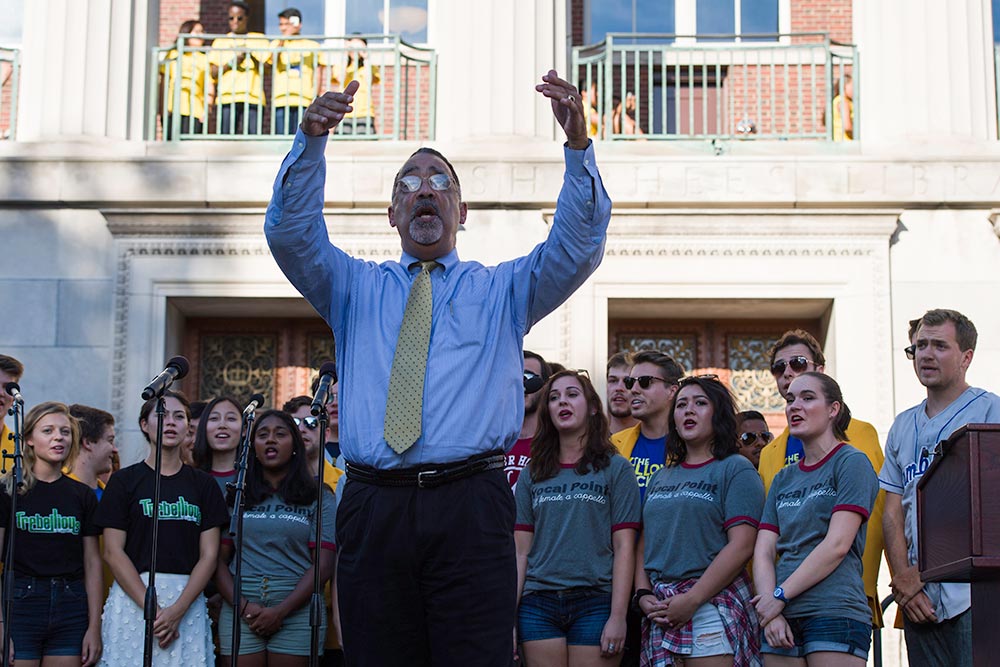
{"points": [[577, 162], [309, 147]]}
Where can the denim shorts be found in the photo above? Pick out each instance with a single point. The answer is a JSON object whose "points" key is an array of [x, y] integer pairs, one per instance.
{"points": [[49, 617], [294, 636], [709, 633], [578, 614], [825, 633]]}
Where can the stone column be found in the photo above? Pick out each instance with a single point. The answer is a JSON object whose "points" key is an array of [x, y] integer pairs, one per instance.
{"points": [[85, 68], [491, 53], [927, 73]]}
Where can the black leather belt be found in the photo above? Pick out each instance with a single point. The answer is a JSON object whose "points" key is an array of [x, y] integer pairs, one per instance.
{"points": [[429, 475]]}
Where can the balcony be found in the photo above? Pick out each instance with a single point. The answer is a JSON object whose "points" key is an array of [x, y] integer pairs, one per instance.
{"points": [[251, 88], [10, 70], [669, 87]]}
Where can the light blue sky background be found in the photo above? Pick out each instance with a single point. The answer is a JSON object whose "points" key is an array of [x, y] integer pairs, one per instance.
{"points": [[12, 12]]}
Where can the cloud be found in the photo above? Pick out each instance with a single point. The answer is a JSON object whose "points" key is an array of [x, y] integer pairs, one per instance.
{"points": [[404, 19], [12, 12]]}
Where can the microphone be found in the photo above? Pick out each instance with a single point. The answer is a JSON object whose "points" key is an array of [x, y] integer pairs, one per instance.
{"points": [[327, 376], [176, 368], [14, 389], [256, 401]]}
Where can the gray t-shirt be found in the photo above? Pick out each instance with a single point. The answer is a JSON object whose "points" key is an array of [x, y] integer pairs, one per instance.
{"points": [[572, 517], [688, 510], [799, 506], [278, 537]]}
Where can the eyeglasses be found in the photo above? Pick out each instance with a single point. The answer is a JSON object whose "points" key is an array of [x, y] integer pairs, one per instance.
{"points": [[798, 364], [311, 422], [413, 182], [911, 352], [644, 381], [751, 436], [240, 18]]}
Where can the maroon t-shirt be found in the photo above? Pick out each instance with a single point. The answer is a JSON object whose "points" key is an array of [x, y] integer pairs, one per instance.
{"points": [[517, 460]]}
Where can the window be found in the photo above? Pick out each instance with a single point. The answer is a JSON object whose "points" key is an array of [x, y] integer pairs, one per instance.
{"points": [[313, 15], [683, 17], [996, 21], [408, 18], [13, 19]]}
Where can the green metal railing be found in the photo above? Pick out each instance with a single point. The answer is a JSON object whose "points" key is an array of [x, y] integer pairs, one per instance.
{"points": [[775, 86], [255, 89], [10, 71], [996, 73]]}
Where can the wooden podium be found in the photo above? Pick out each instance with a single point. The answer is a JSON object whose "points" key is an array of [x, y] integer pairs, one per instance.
{"points": [[958, 527]]}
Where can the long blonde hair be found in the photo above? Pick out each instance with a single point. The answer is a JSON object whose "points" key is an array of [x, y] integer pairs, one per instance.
{"points": [[35, 415]]}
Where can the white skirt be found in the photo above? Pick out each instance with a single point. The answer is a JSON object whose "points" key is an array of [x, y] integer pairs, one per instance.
{"points": [[123, 628]]}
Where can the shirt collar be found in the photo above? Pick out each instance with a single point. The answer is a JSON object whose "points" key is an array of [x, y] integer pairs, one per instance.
{"points": [[447, 262]]}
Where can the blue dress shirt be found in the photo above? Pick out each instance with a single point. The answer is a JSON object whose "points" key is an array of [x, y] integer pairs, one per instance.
{"points": [[473, 392]]}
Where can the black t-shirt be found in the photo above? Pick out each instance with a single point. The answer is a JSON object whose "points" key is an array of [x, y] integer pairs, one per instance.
{"points": [[190, 503], [52, 520]]}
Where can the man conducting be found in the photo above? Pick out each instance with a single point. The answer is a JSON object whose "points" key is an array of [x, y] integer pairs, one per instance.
{"points": [[429, 352]]}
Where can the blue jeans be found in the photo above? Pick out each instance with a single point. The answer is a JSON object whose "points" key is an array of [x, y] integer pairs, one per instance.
{"points": [[825, 633], [948, 643], [578, 614], [49, 617]]}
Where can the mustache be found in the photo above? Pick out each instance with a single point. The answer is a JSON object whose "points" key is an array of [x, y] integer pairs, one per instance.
{"points": [[425, 207]]}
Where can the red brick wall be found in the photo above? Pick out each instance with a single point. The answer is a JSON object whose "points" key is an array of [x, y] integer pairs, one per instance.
{"points": [[576, 22], [829, 16]]}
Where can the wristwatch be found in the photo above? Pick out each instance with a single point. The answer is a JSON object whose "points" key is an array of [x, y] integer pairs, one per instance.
{"points": [[779, 594]]}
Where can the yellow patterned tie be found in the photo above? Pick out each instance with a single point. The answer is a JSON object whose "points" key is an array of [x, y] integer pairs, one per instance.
{"points": [[405, 402]]}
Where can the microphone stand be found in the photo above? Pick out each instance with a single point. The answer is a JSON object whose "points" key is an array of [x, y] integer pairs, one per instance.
{"points": [[316, 603], [17, 411], [236, 531], [150, 606]]}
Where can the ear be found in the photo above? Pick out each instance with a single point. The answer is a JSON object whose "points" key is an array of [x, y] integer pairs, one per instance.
{"points": [[86, 444], [820, 368], [392, 218], [463, 210], [967, 359], [834, 409]]}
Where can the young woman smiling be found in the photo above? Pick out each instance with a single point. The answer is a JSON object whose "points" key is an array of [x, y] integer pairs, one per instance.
{"points": [[278, 537], [812, 604], [191, 512], [577, 516], [699, 524], [217, 439], [56, 565]]}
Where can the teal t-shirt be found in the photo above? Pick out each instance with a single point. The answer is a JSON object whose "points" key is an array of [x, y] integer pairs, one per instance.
{"points": [[572, 517]]}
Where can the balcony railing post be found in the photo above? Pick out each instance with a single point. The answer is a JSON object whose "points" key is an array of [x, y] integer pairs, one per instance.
{"points": [[397, 93], [828, 93]]}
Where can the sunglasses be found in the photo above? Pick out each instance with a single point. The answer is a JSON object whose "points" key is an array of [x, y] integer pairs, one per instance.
{"points": [[412, 182], [311, 422], [750, 437], [644, 381], [798, 364], [911, 352], [532, 382]]}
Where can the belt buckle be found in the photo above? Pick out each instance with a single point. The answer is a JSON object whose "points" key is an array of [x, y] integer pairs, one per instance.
{"points": [[421, 483]]}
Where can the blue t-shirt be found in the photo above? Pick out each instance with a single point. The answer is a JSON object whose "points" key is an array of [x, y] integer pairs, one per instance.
{"points": [[647, 457], [794, 451]]}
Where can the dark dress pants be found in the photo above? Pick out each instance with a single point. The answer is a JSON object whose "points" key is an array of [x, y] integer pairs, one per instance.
{"points": [[427, 576]]}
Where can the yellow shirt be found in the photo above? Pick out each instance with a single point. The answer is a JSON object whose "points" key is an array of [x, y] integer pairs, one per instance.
{"points": [[194, 67], [293, 83], [6, 445], [839, 134], [241, 56], [862, 436], [367, 76]]}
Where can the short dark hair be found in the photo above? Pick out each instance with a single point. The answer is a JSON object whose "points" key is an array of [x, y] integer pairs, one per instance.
{"points": [[93, 421], [619, 359], [293, 404], [188, 26], [197, 407], [546, 368], [289, 13], [245, 6], [670, 368], [965, 330], [747, 415], [799, 337], [11, 366]]}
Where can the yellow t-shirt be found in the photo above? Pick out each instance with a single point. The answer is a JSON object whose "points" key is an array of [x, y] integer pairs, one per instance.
{"points": [[242, 57], [839, 134], [194, 67], [367, 76], [294, 82]]}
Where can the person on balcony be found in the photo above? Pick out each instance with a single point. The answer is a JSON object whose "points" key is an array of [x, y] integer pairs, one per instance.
{"points": [[237, 62], [360, 120], [430, 400], [843, 109], [195, 85], [296, 74]]}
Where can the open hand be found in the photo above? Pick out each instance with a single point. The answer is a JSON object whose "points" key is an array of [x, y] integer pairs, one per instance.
{"points": [[567, 107], [327, 110]]}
